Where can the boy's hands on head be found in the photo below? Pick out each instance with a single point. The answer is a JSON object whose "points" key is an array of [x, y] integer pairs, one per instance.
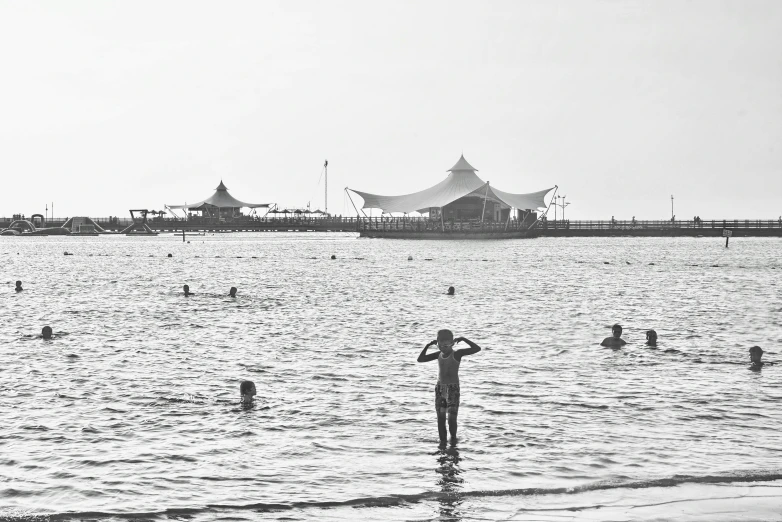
{"points": [[458, 340]]}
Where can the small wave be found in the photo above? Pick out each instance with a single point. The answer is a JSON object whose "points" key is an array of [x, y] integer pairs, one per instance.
{"points": [[395, 500], [582, 405]]}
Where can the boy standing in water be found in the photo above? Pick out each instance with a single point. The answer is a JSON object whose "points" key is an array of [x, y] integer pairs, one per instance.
{"points": [[446, 391], [615, 341]]}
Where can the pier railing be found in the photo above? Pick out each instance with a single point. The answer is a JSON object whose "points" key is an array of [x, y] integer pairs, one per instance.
{"points": [[419, 224], [416, 224], [660, 224]]}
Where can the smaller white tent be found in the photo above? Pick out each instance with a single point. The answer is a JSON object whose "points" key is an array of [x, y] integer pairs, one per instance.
{"points": [[461, 181], [220, 199]]}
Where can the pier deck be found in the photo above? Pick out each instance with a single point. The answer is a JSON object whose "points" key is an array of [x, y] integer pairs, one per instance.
{"points": [[424, 228]]}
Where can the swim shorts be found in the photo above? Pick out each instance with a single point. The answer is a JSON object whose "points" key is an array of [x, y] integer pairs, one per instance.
{"points": [[446, 398]]}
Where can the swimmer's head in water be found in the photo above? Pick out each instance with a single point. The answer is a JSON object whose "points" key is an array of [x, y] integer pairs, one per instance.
{"points": [[451, 290], [247, 391], [18, 286], [232, 291], [46, 332], [445, 341], [616, 330], [651, 337], [186, 289], [755, 353]]}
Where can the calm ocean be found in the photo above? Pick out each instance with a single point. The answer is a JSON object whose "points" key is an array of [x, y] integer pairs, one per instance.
{"points": [[132, 411]]}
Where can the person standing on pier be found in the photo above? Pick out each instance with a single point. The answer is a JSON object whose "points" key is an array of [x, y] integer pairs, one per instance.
{"points": [[446, 391]]}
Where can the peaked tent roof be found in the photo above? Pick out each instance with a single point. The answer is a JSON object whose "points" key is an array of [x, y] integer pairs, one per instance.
{"points": [[222, 199], [461, 182], [462, 165]]}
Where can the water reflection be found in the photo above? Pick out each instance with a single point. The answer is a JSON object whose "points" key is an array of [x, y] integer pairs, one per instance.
{"points": [[449, 482]]}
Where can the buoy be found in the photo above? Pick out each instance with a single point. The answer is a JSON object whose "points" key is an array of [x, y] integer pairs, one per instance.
{"points": [[333, 256], [169, 255], [409, 258]]}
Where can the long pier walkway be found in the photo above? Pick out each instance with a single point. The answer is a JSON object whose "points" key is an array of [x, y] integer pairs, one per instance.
{"points": [[423, 228]]}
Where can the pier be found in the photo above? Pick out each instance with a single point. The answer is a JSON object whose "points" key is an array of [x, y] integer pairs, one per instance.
{"points": [[426, 228]]}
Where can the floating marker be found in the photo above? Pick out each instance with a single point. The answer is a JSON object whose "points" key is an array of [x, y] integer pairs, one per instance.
{"points": [[409, 258]]}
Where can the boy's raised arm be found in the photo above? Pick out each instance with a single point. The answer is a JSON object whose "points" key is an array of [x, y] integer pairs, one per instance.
{"points": [[473, 348], [424, 357]]}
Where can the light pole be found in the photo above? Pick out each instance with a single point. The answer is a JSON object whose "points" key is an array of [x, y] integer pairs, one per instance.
{"points": [[672, 214]]}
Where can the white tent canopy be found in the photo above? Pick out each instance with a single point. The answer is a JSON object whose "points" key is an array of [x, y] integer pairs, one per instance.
{"points": [[461, 181], [220, 199]]}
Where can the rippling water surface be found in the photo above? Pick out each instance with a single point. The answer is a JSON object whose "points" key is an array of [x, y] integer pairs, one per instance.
{"points": [[133, 407]]}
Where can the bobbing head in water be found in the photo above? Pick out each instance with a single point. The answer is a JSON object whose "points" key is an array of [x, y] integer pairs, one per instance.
{"points": [[247, 391], [19, 286], [186, 289], [755, 354], [651, 338], [46, 332], [451, 290], [232, 292], [616, 331], [445, 342]]}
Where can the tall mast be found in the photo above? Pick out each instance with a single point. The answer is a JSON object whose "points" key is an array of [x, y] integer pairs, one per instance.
{"points": [[326, 166]]}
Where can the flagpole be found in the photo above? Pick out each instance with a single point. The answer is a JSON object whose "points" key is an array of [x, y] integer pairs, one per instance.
{"points": [[326, 166]]}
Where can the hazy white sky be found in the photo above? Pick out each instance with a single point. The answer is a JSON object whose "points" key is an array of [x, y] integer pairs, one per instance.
{"points": [[107, 105]]}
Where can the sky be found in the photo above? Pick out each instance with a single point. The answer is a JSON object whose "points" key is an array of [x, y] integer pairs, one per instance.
{"points": [[107, 106]]}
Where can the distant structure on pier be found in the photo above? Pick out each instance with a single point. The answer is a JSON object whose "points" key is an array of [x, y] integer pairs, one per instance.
{"points": [[220, 205], [462, 195]]}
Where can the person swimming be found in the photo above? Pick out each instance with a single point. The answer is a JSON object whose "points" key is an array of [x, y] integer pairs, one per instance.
{"points": [[232, 292], [46, 332], [755, 354], [651, 338], [615, 341], [451, 290], [19, 286], [247, 391], [187, 291]]}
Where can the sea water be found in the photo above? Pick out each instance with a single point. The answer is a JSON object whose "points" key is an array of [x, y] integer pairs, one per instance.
{"points": [[132, 410]]}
